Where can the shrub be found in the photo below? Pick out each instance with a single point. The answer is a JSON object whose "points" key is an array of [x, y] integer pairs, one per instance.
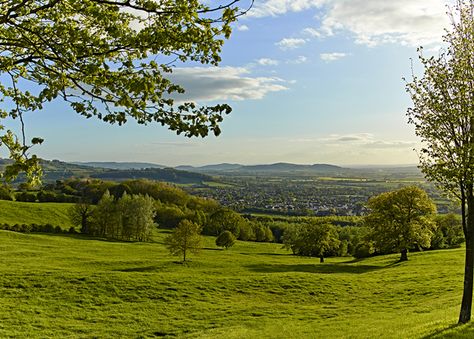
{"points": [[363, 250], [225, 239]]}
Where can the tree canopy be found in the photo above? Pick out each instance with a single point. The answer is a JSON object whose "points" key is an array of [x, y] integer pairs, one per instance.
{"points": [[109, 59], [184, 239], [314, 239], [399, 220], [443, 116]]}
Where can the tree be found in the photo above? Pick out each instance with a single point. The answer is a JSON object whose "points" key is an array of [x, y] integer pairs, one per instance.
{"points": [[136, 215], [185, 238], [105, 218], [443, 116], [225, 239], [80, 214], [224, 219], [448, 233], [314, 239], [111, 61], [399, 220]]}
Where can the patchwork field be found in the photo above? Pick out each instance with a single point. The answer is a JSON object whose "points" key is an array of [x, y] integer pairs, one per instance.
{"points": [[67, 286]]}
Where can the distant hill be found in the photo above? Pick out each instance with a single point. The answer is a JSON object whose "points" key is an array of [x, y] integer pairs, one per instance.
{"points": [[274, 169], [165, 174], [119, 165], [283, 166], [59, 170], [209, 168]]}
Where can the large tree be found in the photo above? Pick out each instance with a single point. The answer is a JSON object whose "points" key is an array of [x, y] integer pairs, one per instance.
{"points": [[443, 116], [313, 239], [400, 219], [107, 58]]}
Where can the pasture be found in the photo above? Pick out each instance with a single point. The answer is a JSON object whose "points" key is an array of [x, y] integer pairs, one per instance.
{"points": [[70, 286]]}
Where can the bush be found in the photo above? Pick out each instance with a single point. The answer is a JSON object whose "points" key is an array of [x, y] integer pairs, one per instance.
{"points": [[225, 239], [48, 228], [5, 193], [363, 250], [46, 196], [26, 197]]}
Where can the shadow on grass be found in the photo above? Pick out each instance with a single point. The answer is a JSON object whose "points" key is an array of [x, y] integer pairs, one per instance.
{"points": [[453, 331], [327, 268], [267, 254], [140, 269]]}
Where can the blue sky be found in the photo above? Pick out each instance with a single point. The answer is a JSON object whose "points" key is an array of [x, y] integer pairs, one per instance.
{"points": [[310, 81]]}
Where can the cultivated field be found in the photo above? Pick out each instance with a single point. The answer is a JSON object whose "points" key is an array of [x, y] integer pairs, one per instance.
{"points": [[68, 286]]}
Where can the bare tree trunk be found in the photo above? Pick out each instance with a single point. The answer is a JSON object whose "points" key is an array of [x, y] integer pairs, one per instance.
{"points": [[466, 304], [321, 259]]}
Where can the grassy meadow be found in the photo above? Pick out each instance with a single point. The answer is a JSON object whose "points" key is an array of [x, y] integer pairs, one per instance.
{"points": [[66, 286], [15, 212]]}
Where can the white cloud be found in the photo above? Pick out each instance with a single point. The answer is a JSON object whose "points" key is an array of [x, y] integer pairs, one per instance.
{"points": [[384, 144], [328, 57], [267, 62], [374, 22], [300, 59], [279, 7], [243, 28], [223, 83], [367, 141], [290, 43], [357, 137], [312, 32]]}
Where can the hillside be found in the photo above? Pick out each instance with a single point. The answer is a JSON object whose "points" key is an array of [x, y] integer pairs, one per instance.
{"points": [[167, 174], [13, 212], [59, 170], [281, 168], [119, 165], [91, 288]]}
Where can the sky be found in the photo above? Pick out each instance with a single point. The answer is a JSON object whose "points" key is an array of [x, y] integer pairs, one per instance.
{"points": [[309, 81]]}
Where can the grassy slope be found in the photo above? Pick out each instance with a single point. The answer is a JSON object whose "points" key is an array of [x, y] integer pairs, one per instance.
{"points": [[12, 212], [61, 286]]}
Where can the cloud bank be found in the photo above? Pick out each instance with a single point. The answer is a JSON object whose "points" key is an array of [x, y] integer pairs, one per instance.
{"points": [[223, 83], [370, 22]]}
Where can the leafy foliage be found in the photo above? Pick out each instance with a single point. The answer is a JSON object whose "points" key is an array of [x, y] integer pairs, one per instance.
{"points": [[314, 239], [80, 214], [443, 115], [225, 239], [448, 232], [111, 62], [401, 219], [185, 238], [128, 218]]}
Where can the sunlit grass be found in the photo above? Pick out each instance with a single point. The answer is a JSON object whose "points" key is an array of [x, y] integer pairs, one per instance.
{"points": [[15, 212], [68, 286]]}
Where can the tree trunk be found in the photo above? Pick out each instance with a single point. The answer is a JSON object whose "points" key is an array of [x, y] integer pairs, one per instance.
{"points": [[404, 254], [321, 259], [466, 304]]}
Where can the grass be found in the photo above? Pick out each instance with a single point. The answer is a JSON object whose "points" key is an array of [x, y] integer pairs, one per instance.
{"points": [[15, 212], [72, 287]]}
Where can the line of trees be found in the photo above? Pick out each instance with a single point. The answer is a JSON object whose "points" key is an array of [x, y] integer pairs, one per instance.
{"points": [[129, 218], [398, 221]]}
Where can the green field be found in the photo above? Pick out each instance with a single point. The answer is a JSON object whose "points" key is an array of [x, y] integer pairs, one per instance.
{"points": [[68, 286], [13, 212]]}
